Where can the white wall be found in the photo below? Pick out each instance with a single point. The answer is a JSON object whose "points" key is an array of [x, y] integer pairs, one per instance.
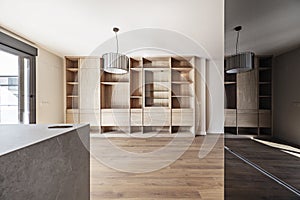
{"points": [[286, 97], [49, 84], [50, 88]]}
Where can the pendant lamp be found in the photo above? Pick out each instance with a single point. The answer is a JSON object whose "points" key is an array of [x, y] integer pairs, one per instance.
{"points": [[115, 63], [240, 62]]}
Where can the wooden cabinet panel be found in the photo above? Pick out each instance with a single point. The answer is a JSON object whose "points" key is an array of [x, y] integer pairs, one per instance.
{"points": [[90, 63], [136, 117], [247, 118], [230, 118], [90, 116], [89, 89], [72, 116], [264, 118], [182, 117], [247, 90], [154, 117], [114, 117]]}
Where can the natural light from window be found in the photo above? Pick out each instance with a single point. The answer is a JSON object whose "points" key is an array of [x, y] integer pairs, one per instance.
{"points": [[9, 88]]}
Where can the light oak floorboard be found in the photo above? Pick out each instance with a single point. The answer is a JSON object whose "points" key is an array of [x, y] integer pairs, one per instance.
{"points": [[187, 178]]}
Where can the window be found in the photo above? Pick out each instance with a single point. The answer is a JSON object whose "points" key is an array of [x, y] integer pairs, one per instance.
{"points": [[17, 81]]}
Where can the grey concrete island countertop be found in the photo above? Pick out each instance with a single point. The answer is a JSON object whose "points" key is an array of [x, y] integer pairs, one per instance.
{"points": [[38, 162], [17, 136]]}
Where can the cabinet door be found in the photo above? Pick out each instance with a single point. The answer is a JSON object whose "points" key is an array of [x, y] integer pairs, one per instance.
{"points": [[230, 118], [182, 117], [136, 117], [157, 117], [247, 90], [114, 117], [247, 118], [89, 91], [91, 117]]}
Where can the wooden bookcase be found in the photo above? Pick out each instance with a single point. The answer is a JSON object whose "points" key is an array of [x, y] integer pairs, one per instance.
{"points": [[248, 99], [265, 95], [72, 90], [157, 95]]}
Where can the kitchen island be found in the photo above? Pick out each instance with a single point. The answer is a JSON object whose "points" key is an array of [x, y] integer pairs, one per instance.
{"points": [[44, 162]]}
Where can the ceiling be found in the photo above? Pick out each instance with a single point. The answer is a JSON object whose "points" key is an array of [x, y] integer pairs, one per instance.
{"points": [[269, 26], [77, 27]]}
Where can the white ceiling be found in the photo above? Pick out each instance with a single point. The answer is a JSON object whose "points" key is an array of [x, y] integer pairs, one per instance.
{"points": [[77, 27], [269, 26]]}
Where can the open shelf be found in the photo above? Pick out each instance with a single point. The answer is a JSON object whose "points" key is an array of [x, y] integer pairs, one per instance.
{"points": [[72, 96], [265, 75], [136, 63], [136, 83], [72, 62], [115, 129], [156, 129], [117, 78], [156, 62], [182, 129], [182, 102], [136, 129], [114, 95], [265, 62], [136, 103], [229, 77], [157, 76], [230, 96], [182, 62], [265, 89], [265, 103], [182, 76], [157, 87], [72, 103], [265, 131], [182, 90]]}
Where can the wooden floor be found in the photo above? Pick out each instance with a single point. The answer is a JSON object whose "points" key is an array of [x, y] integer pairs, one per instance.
{"points": [[187, 178], [244, 182]]}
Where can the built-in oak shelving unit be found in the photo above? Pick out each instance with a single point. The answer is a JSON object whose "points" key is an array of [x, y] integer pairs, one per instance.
{"points": [[248, 99], [157, 95]]}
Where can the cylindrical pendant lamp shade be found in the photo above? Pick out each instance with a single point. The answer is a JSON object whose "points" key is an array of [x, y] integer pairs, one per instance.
{"points": [[238, 63], [115, 63]]}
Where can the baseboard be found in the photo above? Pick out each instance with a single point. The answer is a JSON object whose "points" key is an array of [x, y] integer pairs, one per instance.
{"points": [[215, 131]]}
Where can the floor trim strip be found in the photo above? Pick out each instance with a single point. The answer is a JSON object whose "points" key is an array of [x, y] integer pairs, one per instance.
{"points": [[268, 174]]}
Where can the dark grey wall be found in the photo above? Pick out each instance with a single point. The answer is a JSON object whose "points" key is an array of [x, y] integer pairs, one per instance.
{"points": [[286, 97]]}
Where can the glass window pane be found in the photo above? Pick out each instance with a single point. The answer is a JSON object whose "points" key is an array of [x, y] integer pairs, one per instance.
{"points": [[9, 88]]}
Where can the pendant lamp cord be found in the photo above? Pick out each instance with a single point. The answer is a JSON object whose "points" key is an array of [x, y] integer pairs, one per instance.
{"points": [[117, 42], [237, 42]]}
